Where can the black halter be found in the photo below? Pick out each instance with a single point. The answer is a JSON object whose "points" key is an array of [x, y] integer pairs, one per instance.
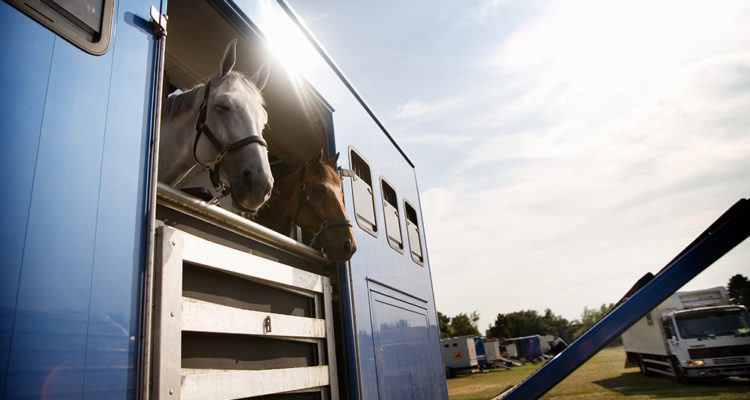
{"points": [[304, 201], [202, 128]]}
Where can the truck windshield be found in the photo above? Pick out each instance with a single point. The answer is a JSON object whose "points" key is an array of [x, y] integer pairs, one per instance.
{"points": [[711, 323]]}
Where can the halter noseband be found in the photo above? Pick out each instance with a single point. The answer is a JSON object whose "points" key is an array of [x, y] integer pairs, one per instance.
{"points": [[304, 200], [201, 127]]}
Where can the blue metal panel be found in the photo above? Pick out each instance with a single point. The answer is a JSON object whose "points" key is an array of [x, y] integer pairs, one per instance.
{"points": [[75, 230], [114, 310], [723, 235], [23, 76], [401, 342], [479, 349]]}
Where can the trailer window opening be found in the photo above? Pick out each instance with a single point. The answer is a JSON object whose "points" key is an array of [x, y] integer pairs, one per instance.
{"points": [[362, 191], [412, 231], [667, 324], [86, 24], [391, 217]]}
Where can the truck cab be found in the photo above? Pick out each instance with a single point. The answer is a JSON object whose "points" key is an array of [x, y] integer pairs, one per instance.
{"points": [[700, 335], [710, 341]]}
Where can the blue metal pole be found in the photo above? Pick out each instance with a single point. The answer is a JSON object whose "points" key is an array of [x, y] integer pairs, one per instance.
{"points": [[719, 239]]}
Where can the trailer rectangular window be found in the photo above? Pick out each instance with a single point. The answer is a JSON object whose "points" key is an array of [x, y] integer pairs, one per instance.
{"points": [[412, 231], [85, 23], [391, 217], [364, 200]]}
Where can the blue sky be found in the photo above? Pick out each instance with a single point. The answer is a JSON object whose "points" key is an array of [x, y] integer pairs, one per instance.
{"points": [[563, 149]]}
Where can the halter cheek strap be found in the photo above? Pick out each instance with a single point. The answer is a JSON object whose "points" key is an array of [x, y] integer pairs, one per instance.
{"points": [[304, 201], [201, 128]]}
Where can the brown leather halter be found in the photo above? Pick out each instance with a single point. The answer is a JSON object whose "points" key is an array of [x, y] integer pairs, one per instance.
{"points": [[304, 201], [201, 127]]}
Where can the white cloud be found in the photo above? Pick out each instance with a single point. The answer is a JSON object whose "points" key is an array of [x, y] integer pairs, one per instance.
{"points": [[614, 134], [417, 109]]}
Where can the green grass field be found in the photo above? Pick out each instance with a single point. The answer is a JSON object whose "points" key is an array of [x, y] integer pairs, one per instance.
{"points": [[602, 377]]}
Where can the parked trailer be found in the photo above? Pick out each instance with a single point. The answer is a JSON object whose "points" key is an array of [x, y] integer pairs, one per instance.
{"points": [[692, 334], [509, 349], [115, 287], [459, 355], [492, 351], [528, 347]]}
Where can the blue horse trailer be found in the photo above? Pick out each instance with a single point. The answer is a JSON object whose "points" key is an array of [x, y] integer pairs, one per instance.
{"points": [[114, 286]]}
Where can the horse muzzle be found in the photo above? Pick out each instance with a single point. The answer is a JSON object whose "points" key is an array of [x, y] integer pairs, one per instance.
{"points": [[251, 191], [340, 250]]}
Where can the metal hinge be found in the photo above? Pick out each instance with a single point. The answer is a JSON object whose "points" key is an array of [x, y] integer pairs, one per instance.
{"points": [[158, 22]]}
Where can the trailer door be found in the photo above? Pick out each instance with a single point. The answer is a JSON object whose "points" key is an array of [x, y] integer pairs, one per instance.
{"points": [[78, 83]]}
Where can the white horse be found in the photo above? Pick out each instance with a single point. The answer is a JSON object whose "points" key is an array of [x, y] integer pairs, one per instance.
{"points": [[219, 125]]}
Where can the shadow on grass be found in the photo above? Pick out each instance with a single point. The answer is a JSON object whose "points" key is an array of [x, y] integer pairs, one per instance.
{"points": [[633, 383]]}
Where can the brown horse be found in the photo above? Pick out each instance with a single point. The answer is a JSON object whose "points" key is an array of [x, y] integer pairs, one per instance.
{"points": [[311, 197]]}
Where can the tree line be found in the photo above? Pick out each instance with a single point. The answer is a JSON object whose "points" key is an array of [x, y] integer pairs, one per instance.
{"points": [[523, 323], [531, 322]]}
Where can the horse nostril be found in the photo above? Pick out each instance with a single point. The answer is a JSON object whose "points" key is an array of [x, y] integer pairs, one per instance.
{"points": [[247, 178]]}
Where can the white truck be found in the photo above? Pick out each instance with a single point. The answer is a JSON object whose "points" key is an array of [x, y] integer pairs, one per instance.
{"points": [[693, 334]]}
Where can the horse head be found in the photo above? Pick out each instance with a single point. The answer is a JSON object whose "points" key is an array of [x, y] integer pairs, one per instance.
{"points": [[318, 207], [229, 134]]}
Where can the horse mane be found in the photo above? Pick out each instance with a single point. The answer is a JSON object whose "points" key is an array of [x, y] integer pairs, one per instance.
{"points": [[178, 104]]}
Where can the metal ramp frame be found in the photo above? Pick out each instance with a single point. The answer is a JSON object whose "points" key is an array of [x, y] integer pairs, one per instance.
{"points": [[722, 236], [175, 314]]}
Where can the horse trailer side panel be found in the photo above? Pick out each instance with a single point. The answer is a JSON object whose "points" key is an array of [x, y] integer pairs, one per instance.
{"points": [[80, 125], [18, 151]]}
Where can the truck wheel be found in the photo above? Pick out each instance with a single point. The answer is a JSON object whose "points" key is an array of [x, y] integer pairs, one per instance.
{"points": [[642, 366], [679, 374]]}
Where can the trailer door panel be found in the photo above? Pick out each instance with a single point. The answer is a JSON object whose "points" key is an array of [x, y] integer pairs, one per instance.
{"points": [[75, 154]]}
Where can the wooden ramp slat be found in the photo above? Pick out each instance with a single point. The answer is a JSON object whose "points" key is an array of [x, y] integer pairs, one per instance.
{"points": [[201, 316], [226, 384]]}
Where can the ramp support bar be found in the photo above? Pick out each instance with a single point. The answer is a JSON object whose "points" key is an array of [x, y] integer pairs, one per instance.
{"points": [[722, 236]]}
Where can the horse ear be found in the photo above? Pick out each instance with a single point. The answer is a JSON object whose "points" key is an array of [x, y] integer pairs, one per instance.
{"points": [[333, 160], [230, 57], [260, 77], [319, 155]]}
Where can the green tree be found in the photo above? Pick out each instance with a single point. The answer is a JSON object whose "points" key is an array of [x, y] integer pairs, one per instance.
{"points": [[463, 324], [444, 322], [558, 326], [739, 290], [519, 323], [591, 316]]}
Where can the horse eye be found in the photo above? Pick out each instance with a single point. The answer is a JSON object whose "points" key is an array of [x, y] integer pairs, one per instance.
{"points": [[221, 107], [319, 190]]}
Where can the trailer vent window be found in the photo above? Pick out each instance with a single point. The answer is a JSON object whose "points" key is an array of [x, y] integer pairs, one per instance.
{"points": [[412, 231], [391, 217], [84, 23], [364, 200]]}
